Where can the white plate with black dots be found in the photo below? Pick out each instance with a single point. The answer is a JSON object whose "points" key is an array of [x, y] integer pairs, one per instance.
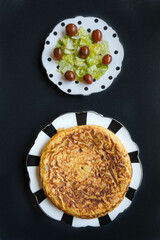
{"points": [[77, 87]]}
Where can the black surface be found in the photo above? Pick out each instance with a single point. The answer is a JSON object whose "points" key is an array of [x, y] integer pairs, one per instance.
{"points": [[29, 101]]}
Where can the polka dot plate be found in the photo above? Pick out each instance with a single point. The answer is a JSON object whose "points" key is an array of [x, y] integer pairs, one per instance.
{"points": [[76, 87], [74, 119]]}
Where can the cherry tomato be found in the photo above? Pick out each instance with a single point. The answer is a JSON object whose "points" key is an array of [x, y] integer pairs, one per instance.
{"points": [[96, 36], [71, 29], [107, 59], [88, 78], [58, 53], [69, 75], [84, 52]]}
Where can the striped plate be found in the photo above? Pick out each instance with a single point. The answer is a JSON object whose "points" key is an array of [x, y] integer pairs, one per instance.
{"points": [[74, 119]]}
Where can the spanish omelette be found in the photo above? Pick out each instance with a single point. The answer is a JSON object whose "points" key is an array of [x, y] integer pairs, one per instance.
{"points": [[85, 171]]}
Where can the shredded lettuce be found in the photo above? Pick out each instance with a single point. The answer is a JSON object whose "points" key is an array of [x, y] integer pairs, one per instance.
{"points": [[71, 60], [81, 71], [79, 62], [65, 66]]}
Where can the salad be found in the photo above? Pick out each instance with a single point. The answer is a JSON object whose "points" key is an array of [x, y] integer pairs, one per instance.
{"points": [[82, 55]]}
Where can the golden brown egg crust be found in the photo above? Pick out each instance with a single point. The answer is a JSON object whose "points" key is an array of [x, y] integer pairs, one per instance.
{"points": [[85, 171]]}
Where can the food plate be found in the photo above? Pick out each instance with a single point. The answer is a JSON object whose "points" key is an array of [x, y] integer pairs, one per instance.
{"points": [[75, 119], [75, 87]]}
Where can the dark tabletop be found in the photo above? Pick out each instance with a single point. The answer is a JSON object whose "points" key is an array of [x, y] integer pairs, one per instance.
{"points": [[29, 101]]}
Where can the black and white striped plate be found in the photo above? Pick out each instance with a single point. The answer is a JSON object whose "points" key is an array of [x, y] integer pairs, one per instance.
{"points": [[69, 120], [75, 87]]}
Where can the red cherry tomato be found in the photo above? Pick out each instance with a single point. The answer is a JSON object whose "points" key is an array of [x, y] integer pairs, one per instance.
{"points": [[69, 75], [71, 29], [88, 78], [107, 59], [84, 52], [58, 53], [96, 36]]}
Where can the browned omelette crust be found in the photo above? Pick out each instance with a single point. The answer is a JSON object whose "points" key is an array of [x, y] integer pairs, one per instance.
{"points": [[85, 171]]}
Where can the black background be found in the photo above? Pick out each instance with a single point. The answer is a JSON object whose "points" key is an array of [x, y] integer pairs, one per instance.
{"points": [[29, 101]]}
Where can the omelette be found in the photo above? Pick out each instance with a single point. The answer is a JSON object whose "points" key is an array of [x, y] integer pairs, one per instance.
{"points": [[85, 171]]}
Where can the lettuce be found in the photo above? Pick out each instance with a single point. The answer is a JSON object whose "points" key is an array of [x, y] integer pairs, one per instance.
{"points": [[97, 70], [91, 61], [68, 59], [80, 62], [82, 32], [85, 38], [64, 66], [71, 60], [80, 71], [67, 51], [103, 47]]}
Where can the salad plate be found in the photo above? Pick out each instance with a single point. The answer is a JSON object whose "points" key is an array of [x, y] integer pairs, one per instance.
{"points": [[80, 87], [76, 119]]}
